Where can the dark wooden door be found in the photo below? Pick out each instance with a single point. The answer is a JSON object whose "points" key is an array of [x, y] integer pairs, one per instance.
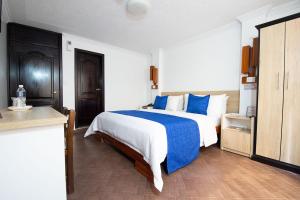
{"points": [[35, 62], [89, 75]]}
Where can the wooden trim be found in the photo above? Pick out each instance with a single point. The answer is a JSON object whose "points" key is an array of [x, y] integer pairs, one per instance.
{"points": [[139, 163], [233, 103], [60, 74], [257, 93], [76, 51], [69, 132], [277, 21]]}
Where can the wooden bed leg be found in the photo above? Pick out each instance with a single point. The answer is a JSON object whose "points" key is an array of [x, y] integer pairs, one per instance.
{"points": [[99, 138], [144, 169]]}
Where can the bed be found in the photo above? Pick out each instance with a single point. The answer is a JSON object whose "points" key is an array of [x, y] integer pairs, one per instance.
{"points": [[145, 141]]}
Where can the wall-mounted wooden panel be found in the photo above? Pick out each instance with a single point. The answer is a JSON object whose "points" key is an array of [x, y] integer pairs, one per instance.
{"points": [[245, 59], [154, 75], [254, 53], [254, 58]]}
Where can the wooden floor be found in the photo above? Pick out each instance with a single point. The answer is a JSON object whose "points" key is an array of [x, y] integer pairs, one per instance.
{"points": [[103, 173]]}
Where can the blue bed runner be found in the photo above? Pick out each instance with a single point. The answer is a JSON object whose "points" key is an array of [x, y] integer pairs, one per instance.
{"points": [[183, 137]]}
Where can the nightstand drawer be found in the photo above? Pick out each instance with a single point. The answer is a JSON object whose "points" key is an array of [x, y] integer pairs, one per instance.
{"points": [[236, 140]]}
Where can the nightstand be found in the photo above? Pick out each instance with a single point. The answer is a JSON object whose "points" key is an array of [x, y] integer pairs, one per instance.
{"points": [[237, 134]]}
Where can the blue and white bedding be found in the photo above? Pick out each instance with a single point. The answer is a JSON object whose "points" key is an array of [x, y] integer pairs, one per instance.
{"points": [[183, 137], [149, 137]]}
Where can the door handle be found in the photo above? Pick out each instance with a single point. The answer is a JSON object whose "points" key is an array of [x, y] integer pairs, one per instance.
{"points": [[277, 80], [287, 76], [98, 89], [54, 92]]}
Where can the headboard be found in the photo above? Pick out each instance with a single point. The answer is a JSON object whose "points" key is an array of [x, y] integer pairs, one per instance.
{"points": [[233, 103]]}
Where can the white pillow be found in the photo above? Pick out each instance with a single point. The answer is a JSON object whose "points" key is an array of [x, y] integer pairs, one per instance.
{"points": [[186, 101], [216, 107], [175, 103]]}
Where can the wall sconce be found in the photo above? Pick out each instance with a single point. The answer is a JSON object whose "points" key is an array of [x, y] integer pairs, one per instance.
{"points": [[154, 77]]}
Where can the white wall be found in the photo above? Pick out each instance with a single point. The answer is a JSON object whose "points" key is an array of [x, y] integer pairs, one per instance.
{"points": [[127, 84], [208, 62], [212, 60], [157, 61], [3, 67]]}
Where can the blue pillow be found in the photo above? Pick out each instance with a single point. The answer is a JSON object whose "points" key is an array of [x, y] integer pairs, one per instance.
{"points": [[198, 104], [160, 102]]}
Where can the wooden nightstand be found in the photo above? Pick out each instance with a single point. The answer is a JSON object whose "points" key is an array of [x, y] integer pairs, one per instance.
{"points": [[237, 134]]}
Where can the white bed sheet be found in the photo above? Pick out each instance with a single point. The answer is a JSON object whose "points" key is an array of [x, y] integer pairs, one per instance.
{"points": [[216, 120], [148, 137]]}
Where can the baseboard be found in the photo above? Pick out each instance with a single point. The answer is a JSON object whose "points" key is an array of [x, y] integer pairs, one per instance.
{"points": [[276, 163]]}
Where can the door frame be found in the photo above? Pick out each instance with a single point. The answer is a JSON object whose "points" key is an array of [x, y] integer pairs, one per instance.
{"points": [[102, 57]]}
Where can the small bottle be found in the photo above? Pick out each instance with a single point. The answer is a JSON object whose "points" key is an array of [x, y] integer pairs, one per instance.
{"points": [[21, 95], [21, 92]]}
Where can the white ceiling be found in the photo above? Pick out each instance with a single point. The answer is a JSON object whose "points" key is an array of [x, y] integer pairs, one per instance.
{"points": [[167, 22]]}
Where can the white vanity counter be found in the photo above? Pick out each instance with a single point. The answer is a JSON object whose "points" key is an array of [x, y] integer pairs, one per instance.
{"points": [[32, 161]]}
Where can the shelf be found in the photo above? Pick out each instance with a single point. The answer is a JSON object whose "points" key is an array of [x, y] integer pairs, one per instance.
{"points": [[237, 116], [246, 130]]}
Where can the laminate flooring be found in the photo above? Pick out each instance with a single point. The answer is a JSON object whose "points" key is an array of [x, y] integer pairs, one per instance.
{"points": [[101, 172]]}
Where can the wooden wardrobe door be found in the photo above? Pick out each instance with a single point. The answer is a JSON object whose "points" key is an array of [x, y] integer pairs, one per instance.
{"points": [[34, 60], [270, 95], [290, 147]]}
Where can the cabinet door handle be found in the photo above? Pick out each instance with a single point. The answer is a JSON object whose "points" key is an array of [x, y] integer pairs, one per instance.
{"points": [[54, 92], [277, 80], [98, 89], [287, 76]]}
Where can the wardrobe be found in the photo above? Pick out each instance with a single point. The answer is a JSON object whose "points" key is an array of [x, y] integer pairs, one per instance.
{"points": [[277, 137], [35, 61]]}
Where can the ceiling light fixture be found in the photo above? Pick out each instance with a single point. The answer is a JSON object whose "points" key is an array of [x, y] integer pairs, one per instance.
{"points": [[138, 7]]}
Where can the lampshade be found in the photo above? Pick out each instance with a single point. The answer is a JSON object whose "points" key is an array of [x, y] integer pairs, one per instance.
{"points": [[138, 7]]}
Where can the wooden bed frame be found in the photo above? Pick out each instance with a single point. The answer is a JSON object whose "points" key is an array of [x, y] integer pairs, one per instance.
{"points": [[139, 163]]}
